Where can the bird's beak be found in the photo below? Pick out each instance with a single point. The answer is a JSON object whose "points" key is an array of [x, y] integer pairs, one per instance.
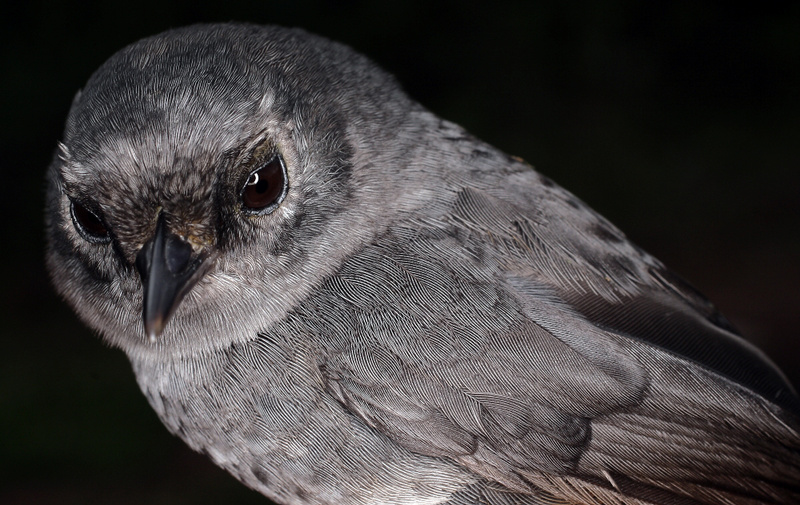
{"points": [[169, 269]]}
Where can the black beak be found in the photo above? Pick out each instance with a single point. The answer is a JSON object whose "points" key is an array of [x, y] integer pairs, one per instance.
{"points": [[169, 269]]}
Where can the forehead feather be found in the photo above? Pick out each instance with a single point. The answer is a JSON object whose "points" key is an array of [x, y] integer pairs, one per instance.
{"points": [[213, 85]]}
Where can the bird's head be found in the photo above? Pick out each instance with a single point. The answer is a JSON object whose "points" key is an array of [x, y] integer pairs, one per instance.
{"points": [[210, 176]]}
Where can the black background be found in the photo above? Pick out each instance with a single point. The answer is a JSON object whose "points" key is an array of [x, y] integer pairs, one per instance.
{"points": [[678, 120]]}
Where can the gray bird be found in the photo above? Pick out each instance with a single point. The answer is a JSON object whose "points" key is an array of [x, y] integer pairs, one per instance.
{"points": [[343, 299]]}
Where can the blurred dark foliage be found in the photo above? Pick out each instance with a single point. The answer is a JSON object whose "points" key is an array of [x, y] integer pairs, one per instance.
{"points": [[677, 120]]}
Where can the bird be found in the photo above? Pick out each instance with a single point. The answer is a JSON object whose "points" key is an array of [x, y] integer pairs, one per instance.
{"points": [[341, 298]]}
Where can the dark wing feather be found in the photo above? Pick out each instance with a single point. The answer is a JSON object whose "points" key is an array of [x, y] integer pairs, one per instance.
{"points": [[662, 320]]}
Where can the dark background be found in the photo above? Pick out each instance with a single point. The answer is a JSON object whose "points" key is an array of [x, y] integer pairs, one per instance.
{"points": [[678, 120]]}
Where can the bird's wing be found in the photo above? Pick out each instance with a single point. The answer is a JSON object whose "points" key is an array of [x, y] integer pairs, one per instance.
{"points": [[543, 361]]}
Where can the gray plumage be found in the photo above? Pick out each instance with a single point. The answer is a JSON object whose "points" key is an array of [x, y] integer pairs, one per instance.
{"points": [[412, 317]]}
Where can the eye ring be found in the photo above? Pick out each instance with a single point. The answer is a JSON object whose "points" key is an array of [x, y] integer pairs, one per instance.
{"points": [[266, 187], [88, 224]]}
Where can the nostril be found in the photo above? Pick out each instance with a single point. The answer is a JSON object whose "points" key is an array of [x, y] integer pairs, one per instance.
{"points": [[178, 253]]}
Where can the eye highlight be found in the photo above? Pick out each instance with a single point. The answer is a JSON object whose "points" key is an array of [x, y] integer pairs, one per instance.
{"points": [[90, 227], [266, 187]]}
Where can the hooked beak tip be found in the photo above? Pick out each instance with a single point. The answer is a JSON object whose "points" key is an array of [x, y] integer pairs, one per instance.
{"points": [[153, 328]]}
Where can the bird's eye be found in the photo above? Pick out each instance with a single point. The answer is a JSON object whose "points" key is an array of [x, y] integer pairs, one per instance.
{"points": [[265, 187], [88, 224]]}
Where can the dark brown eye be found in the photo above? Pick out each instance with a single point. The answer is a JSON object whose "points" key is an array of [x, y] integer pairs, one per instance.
{"points": [[265, 187], [88, 224]]}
